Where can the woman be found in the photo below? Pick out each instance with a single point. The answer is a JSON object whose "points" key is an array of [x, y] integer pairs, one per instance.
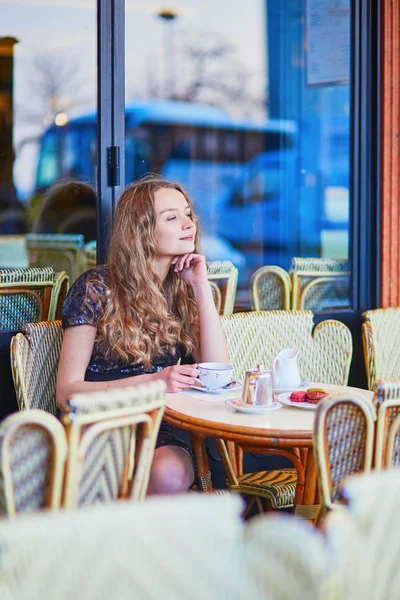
{"points": [[147, 314]]}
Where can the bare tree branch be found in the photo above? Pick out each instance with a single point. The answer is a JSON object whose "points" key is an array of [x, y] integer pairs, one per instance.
{"points": [[55, 85]]}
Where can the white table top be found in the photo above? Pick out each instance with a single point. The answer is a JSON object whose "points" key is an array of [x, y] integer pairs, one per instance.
{"points": [[205, 407]]}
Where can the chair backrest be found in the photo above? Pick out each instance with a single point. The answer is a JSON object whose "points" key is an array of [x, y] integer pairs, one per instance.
{"points": [[257, 337], [393, 444], [62, 252], [343, 440], [380, 333], [364, 539], [216, 292], [34, 362], [33, 449], [225, 275], [30, 295], [188, 546], [270, 289], [90, 254], [387, 403], [13, 252], [112, 436], [319, 283]]}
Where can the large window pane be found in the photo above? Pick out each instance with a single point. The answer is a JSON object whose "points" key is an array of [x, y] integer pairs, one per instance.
{"points": [[252, 115], [48, 163]]}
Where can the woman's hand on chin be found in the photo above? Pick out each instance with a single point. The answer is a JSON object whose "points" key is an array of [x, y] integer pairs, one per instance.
{"points": [[192, 268]]}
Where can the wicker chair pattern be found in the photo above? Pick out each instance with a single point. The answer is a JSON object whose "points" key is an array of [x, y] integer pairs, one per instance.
{"points": [[278, 487], [33, 450], [216, 292], [63, 252], [225, 275], [34, 362], [319, 283], [381, 331], [387, 403], [343, 443], [365, 538], [270, 289], [112, 436], [256, 338], [30, 295], [321, 265], [187, 547], [206, 551], [393, 444]]}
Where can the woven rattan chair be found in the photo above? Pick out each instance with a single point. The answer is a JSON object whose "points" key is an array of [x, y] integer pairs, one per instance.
{"points": [[380, 333], [34, 362], [393, 444], [13, 252], [216, 292], [30, 295], [364, 540], [62, 252], [256, 338], [225, 275], [111, 437], [319, 284], [344, 431], [387, 403], [33, 449], [187, 546], [270, 289]]}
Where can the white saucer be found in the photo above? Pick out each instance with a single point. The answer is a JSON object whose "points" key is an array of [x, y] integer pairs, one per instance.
{"points": [[285, 399], [232, 386], [250, 408], [303, 386]]}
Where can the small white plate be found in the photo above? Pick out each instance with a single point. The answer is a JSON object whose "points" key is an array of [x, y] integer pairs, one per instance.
{"points": [[285, 399], [249, 408], [232, 386], [303, 386]]}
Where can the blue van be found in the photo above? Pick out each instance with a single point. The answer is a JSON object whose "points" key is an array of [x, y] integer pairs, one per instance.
{"points": [[241, 176]]}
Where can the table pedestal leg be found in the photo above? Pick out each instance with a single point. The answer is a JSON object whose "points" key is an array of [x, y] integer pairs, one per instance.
{"points": [[203, 469], [308, 509]]}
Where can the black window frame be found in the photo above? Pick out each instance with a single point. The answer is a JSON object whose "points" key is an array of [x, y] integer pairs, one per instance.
{"points": [[110, 114]]}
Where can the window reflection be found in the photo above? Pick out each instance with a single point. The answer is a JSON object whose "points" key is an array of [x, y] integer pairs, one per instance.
{"points": [[250, 114], [47, 78]]}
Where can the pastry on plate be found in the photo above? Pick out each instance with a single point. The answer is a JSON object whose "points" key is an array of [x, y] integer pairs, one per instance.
{"points": [[314, 395], [298, 396]]}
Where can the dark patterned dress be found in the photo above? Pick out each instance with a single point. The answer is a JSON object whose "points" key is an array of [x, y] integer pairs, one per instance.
{"points": [[84, 305]]}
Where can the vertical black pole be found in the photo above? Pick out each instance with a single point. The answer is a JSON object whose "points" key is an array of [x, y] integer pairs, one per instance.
{"points": [[110, 114]]}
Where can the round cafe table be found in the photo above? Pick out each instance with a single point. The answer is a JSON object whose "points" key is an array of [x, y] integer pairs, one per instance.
{"points": [[286, 431]]}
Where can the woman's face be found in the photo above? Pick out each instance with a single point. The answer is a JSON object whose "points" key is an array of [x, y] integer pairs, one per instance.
{"points": [[175, 230]]}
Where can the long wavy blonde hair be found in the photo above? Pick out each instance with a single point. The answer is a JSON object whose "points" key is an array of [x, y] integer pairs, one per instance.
{"points": [[143, 315]]}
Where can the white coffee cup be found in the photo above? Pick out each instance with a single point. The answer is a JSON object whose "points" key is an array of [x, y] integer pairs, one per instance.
{"points": [[215, 375]]}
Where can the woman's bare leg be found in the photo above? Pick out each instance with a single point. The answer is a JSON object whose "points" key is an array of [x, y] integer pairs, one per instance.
{"points": [[172, 471]]}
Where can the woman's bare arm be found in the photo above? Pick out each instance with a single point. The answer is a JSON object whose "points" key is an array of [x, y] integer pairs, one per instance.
{"points": [[75, 355], [213, 346], [192, 268]]}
